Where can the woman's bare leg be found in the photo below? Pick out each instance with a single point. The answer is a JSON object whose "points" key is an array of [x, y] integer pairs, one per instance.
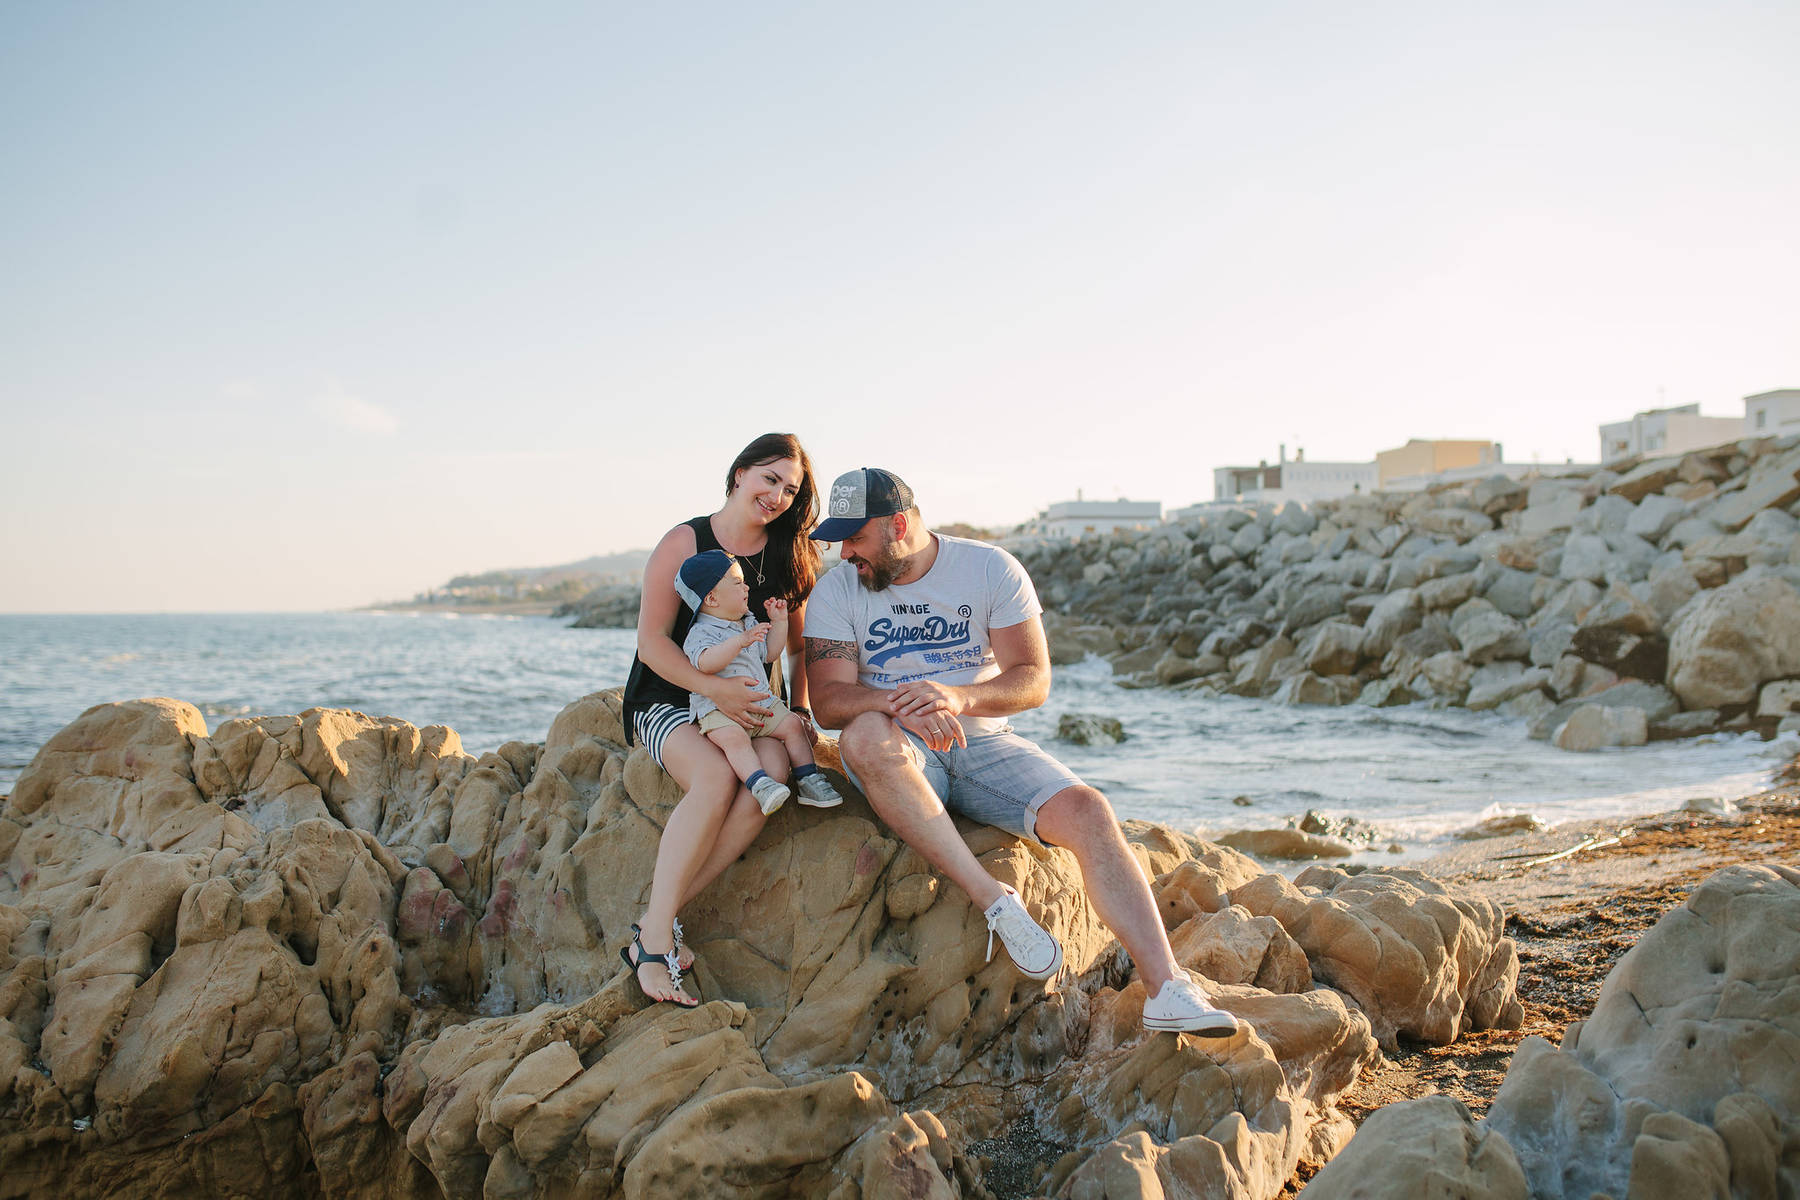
{"points": [[689, 840], [742, 823]]}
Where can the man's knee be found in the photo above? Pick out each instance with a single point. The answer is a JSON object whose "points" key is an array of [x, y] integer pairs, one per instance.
{"points": [[1076, 815], [868, 739]]}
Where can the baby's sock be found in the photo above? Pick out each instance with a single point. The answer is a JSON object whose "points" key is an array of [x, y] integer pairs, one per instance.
{"points": [[754, 776], [804, 769]]}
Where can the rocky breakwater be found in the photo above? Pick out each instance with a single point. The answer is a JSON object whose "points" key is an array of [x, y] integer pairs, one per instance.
{"points": [[1680, 1084], [334, 955], [1657, 600]]}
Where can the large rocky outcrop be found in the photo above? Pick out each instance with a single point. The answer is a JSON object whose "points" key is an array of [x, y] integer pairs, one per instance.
{"points": [[1680, 1084], [335, 955], [1678, 570]]}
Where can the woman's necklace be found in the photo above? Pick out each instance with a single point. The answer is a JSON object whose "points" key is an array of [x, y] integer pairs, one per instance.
{"points": [[756, 566]]}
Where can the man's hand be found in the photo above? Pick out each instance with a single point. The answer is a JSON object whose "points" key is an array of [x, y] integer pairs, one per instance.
{"points": [[739, 699], [923, 697], [941, 730]]}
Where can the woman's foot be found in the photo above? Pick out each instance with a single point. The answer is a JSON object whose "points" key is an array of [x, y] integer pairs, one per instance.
{"points": [[683, 955], [663, 980]]}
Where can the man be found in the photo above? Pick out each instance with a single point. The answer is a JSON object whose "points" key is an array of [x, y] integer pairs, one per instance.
{"points": [[919, 646]]}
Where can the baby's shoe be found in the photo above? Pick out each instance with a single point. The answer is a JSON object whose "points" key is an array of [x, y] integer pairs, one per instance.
{"points": [[816, 792], [769, 794]]}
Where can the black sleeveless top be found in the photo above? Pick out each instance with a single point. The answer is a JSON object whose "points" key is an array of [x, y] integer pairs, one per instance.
{"points": [[644, 687]]}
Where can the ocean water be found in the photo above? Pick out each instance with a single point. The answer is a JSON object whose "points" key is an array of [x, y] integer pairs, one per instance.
{"points": [[1417, 774]]}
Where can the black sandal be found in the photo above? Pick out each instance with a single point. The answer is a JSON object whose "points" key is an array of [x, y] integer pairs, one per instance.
{"points": [[679, 945], [643, 958]]}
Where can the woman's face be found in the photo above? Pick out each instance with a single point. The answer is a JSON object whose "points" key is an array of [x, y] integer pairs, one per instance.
{"points": [[769, 488]]}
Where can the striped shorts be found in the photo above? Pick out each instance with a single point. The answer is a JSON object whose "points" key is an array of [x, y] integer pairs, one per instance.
{"points": [[653, 725]]}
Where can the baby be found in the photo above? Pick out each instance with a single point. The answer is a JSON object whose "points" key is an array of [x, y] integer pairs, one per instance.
{"points": [[725, 640]]}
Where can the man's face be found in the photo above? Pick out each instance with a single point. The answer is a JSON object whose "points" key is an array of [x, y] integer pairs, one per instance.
{"points": [[871, 551]]}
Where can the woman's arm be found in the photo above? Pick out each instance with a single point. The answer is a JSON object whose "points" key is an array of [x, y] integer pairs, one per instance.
{"points": [[796, 650], [737, 698]]}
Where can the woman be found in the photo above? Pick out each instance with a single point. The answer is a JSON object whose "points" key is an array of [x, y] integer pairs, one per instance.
{"points": [[771, 504]]}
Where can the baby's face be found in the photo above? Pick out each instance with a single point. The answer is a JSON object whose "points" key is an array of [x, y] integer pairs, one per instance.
{"points": [[730, 597]]}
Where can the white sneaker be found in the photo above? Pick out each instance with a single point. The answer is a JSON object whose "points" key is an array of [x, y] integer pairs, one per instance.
{"points": [[769, 794], [816, 792], [1029, 944], [1182, 1007]]}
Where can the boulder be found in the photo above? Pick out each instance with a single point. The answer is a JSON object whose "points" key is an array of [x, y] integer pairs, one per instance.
{"points": [[1485, 633], [1090, 729], [1774, 482], [1655, 516], [1425, 1147], [1680, 1083], [1552, 504], [1416, 959], [1398, 613], [1288, 844], [1653, 476], [1733, 640], [1596, 726], [236, 984], [1779, 699], [1334, 649]]}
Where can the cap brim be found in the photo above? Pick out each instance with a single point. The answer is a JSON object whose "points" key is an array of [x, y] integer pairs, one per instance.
{"points": [[838, 528]]}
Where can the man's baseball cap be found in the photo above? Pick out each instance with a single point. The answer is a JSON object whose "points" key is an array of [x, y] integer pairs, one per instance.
{"points": [[859, 496], [699, 575]]}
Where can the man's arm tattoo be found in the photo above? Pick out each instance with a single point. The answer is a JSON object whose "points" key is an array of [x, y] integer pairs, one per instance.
{"points": [[820, 649]]}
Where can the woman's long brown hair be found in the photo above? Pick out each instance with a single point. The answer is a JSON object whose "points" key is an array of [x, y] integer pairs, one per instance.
{"points": [[788, 546]]}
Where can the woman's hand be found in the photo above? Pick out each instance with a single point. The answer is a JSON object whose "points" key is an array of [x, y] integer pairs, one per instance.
{"points": [[739, 699]]}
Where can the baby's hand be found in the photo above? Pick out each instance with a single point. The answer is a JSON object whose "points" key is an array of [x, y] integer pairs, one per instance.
{"points": [[754, 635], [777, 609]]}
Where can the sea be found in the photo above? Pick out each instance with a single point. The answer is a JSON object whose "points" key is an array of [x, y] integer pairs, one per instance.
{"points": [[1414, 776]]}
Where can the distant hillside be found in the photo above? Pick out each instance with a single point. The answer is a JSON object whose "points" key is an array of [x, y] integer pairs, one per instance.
{"points": [[533, 588]]}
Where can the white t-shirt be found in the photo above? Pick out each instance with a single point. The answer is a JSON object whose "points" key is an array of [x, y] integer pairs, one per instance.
{"points": [[935, 627]]}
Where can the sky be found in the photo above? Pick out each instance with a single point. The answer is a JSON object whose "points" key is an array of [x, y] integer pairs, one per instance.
{"points": [[306, 307]]}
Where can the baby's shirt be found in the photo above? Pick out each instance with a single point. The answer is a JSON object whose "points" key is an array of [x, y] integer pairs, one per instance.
{"points": [[750, 663]]}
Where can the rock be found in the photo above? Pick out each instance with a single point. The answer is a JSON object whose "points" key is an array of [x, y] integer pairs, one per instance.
{"points": [[1485, 633], [1289, 844], [1494, 690], [1678, 1085], [1779, 699], [1295, 519], [1497, 494], [1512, 592], [1385, 693], [1334, 649], [1417, 960], [1425, 1147], [1173, 668], [1625, 654], [1504, 825], [1716, 806], [1774, 482], [1734, 640], [1595, 726], [1398, 613], [1587, 556], [1655, 516], [236, 985], [1459, 523], [1447, 673], [1090, 729], [1447, 592], [1685, 724], [1528, 706], [1553, 504], [1307, 688], [1646, 478]]}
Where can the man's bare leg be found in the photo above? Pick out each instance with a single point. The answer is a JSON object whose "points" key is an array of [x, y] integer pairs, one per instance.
{"points": [[877, 749], [1080, 820]]}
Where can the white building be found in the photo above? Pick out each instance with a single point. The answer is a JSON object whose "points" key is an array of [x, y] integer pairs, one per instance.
{"points": [[1667, 431], [1299, 480], [1772, 414], [1084, 518]]}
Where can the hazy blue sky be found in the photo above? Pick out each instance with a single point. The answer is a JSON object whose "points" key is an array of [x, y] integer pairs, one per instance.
{"points": [[310, 305]]}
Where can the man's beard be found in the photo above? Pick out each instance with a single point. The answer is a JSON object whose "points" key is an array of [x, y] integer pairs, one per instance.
{"points": [[883, 569]]}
